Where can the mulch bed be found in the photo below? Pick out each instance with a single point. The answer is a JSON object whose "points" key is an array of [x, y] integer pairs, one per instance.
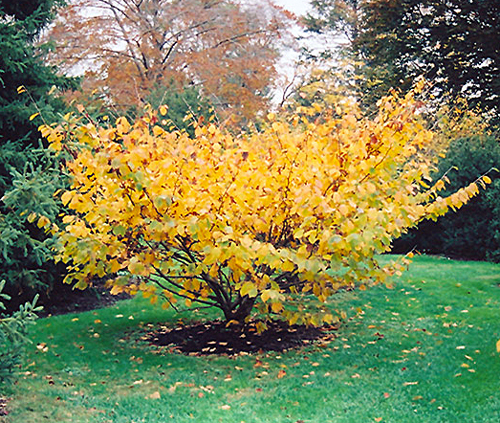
{"points": [[216, 338]]}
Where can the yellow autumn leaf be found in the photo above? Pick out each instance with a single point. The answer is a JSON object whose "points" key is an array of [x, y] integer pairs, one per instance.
{"points": [[66, 197], [122, 125], [116, 289], [158, 131], [136, 267], [248, 288], [43, 221], [276, 307], [265, 295], [439, 185], [115, 266]]}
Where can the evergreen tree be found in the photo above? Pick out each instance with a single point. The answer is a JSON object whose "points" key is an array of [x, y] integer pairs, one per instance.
{"points": [[29, 173]]}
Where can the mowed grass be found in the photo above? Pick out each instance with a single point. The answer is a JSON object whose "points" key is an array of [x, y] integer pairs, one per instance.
{"points": [[424, 351]]}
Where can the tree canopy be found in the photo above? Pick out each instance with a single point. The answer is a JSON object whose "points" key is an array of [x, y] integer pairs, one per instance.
{"points": [[129, 48], [449, 42]]}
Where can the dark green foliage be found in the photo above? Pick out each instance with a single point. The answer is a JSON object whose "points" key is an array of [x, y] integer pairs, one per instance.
{"points": [[450, 42], [474, 231], [29, 174], [13, 334], [25, 250], [181, 102], [32, 14]]}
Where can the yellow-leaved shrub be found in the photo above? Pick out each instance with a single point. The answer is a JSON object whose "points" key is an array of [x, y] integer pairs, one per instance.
{"points": [[274, 220]]}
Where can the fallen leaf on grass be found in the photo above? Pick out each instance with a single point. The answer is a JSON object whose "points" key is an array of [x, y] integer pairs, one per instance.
{"points": [[410, 383], [42, 347], [155, 395], [378, 419], [418, 398], [281, 374], [498, 346], [386, 395], [226, 407], [208, 388]]}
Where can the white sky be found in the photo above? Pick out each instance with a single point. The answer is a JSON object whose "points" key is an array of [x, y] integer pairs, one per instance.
{"points": [[299, 7]]}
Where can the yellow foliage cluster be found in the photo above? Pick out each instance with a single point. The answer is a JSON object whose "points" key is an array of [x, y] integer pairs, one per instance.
{"points": [[264, 219]]}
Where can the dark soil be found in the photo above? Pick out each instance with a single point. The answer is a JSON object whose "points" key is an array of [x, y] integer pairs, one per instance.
{"points": [[217, 338]]}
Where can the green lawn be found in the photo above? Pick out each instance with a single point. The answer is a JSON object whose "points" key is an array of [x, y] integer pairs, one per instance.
{"points": [[424, 351]]}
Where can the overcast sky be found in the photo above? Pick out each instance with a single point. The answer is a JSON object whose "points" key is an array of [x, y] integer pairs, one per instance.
{"points": [[299, 7]]}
